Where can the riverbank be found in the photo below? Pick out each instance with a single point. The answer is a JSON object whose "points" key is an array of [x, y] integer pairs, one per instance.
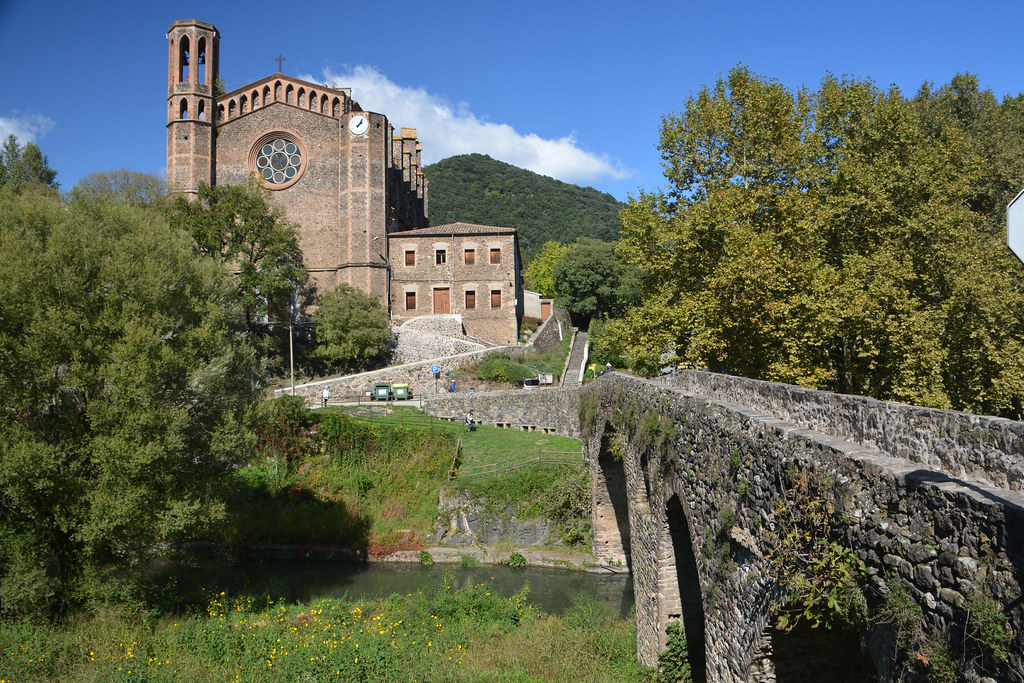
{"points": [[413, 554]]}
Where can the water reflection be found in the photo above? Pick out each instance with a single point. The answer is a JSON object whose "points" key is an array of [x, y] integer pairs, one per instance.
{"points": [[551, 590]]}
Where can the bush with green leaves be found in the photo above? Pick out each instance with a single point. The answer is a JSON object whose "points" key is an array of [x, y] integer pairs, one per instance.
{"points": [[673, 661]]}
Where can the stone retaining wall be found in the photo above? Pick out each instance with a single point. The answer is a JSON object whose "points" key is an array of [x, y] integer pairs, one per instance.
{"points": [[463, 521], [548, 410], [990, 449], [552, 331], [417, 375]]}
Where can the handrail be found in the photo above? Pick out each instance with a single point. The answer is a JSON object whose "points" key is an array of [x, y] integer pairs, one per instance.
{"points": [[455, 460]]}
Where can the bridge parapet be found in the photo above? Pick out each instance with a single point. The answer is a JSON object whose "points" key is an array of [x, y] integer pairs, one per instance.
{"points": [[989, 449]]}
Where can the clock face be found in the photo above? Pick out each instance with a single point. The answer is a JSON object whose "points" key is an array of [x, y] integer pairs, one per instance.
{"points": [[358, 125]]}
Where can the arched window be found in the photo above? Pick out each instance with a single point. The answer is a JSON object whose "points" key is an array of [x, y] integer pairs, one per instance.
{"points": [[243, 105], [289, 94], [220, 112], [183, 60], [202, 110], [323, 104], [302, 97], [201, 65], [277, 91], [336, 107], [183, 109], [232, 109], [255, 100], [266, 95], [312, 100]]}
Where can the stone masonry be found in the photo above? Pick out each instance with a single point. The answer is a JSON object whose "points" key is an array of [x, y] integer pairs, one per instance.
{"points": [[687, 473]]}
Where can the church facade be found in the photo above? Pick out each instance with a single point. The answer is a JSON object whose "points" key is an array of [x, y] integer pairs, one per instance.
{"points": [[348, 178]]}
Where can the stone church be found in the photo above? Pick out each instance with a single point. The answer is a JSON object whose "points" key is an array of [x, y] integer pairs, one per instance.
{"points": [[348, 178]]}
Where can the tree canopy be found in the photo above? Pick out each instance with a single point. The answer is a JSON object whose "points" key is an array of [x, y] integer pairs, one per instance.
{"points": [[126, 375], [121, 186], [25, 165], [590, 279], [352, 327], [847, 238], [238, 225], [474, 188], [539, 276]]}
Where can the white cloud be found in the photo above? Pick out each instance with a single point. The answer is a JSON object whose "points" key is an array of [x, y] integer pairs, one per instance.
{"points": [[448, 129], [25, 128]]}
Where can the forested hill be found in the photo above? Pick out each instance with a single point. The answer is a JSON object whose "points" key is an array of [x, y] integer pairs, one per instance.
{"points": [[474, 188]]}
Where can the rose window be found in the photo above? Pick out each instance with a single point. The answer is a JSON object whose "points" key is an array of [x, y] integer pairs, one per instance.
{"points": [[278, 161]]}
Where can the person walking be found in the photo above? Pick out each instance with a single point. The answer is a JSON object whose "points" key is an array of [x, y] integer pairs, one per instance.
{"points": [[326, 396]]}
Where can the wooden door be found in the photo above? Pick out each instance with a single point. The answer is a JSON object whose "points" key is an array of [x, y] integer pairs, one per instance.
{"points": [[545, 310], [442, 301]]}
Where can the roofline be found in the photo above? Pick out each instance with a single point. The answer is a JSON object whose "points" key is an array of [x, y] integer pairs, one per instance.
{"points": [[279, 76], [416, 232]]}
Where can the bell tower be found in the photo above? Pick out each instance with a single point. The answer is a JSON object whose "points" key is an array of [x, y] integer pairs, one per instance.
{"points": [[193, 51]]}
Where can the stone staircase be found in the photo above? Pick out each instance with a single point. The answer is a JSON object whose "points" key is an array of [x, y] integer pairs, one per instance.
{"points": [[576, 360]]}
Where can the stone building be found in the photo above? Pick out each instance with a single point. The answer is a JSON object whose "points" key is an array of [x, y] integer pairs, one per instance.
{"points": [[349, 179], [459, 269]]}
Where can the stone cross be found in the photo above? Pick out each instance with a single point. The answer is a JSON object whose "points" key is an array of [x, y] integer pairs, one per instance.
{"points": [[279, 58]]}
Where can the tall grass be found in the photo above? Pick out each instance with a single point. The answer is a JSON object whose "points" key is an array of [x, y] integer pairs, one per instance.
{"points": [[440, 635]]}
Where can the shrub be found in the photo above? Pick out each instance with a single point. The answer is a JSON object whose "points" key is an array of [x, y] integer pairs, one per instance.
{"points": [[426, 559], [673, 662], [516, 560]]}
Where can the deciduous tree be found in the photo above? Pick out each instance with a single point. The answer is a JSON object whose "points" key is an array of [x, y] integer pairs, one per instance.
{"points": [[125, 376], [840, 238], [238, 225], [352, 327]]}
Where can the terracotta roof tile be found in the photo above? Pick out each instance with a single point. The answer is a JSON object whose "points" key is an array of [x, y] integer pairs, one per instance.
{"points": [[457, 229]]}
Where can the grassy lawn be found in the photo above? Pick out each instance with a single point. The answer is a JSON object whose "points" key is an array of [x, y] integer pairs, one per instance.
{"points": [[484, 446]]}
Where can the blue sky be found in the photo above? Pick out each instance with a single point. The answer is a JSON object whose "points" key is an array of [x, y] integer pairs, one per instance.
{"points": [[575, 90]]}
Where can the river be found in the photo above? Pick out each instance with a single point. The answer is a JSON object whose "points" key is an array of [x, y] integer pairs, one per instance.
{"points": [[552, 590]]}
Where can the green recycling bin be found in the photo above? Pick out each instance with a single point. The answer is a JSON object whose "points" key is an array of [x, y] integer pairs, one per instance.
{"points": [[382, 391], [401, 391]]}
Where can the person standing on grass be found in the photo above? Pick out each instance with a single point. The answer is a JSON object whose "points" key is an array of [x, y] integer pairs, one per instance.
{"points": [[326, 395]]}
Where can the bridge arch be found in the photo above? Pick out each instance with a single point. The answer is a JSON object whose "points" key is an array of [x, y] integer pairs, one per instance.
{"points": [[681, 597], [610, 504]]}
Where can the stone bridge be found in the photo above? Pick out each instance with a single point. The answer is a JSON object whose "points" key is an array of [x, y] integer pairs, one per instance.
{"points": [[688, 474]]}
